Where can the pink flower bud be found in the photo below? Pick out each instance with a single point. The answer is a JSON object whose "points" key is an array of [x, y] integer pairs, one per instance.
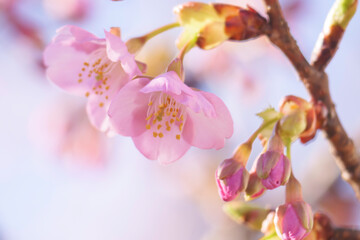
{"points": [[273, 168], [231, 178], [294, 220]]}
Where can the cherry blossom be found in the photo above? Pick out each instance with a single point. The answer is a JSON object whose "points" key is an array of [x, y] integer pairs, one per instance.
{"points": [[165, 117], [85, 65]]}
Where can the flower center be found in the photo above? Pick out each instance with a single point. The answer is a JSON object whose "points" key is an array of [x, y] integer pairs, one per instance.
{"points": [[165, 116], [98, 67]]}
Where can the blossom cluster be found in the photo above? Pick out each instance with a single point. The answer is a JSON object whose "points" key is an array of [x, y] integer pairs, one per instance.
{"points": [[162, 115], [165, 117]]}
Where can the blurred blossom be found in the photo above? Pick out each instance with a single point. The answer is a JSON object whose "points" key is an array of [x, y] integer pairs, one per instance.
{"points": [[20, 24], [67, 9], [62, 128], [5, 4], [216, 61]]}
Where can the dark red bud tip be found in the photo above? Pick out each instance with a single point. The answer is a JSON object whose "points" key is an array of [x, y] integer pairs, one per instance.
{"points": [[245, 25]]}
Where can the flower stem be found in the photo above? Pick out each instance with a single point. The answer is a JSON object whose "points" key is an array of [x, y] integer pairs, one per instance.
{"points": [[161, 30], [293, 189], [260, 129]]}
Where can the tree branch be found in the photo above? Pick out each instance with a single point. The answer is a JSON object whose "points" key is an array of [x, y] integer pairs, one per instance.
{"points": [[316, 82], [323, 230]]}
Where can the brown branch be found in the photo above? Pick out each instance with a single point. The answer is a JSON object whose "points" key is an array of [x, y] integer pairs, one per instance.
{"points": [[316, 82], [326, 47], [323, 230]]}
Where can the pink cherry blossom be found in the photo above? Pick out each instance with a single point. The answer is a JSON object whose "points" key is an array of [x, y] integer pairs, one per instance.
{"points": [[82, 64], [165, 117]]}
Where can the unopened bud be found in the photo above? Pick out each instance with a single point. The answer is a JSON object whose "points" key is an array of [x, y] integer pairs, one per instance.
{"points": [[341, 13], [293, 220], [245, 213], [299, 119], [273, 167], [335, 24], [231, 178], [254, 188], [211, 24], [245, 25]]}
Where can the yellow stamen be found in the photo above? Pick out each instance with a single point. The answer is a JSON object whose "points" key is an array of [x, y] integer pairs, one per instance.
{"points": [[178, 137], [148, 118]]}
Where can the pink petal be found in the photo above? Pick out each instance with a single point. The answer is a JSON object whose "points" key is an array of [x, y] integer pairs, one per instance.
{"points": [[65, 58], [64, 66], [208, 132], [166, 149], [115, 47], [129, 108], [117, 51], [78, 38], [171, 84], [101, 97], [168, 82]]}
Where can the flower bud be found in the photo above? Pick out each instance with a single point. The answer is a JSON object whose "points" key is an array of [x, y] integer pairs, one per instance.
{"points": [[335, 24], [254, 188], [211, 24], [299, 119], [273, 167], [293, 220], [231, 178]]}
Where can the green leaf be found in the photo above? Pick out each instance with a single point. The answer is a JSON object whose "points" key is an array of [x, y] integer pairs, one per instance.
{"points": [[269, 114]]}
